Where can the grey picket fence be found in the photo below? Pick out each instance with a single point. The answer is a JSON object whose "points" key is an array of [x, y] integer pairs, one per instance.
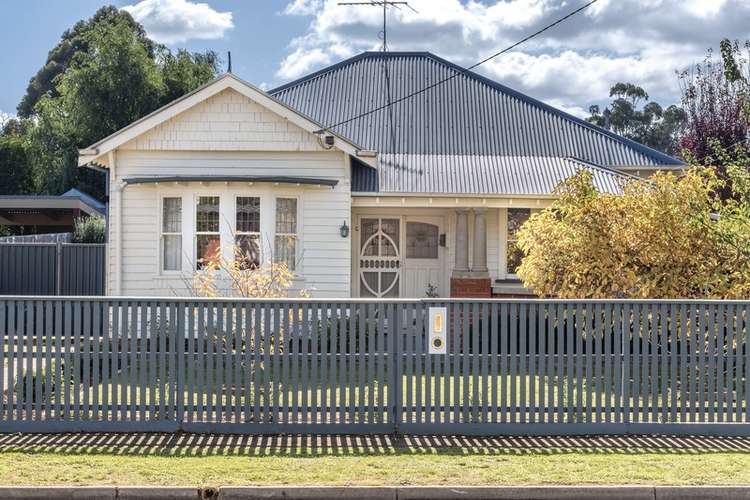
{"points": [[52, 268], [529, 367]]}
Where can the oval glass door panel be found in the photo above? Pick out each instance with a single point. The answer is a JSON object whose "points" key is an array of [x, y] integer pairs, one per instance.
{"points": [[379, 257]]}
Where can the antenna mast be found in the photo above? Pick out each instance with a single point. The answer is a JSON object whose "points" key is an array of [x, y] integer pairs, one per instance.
{"points": [[385, 4]]}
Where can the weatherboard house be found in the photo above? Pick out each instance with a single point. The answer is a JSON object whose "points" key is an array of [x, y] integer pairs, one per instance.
{"points": [[362, 199]]}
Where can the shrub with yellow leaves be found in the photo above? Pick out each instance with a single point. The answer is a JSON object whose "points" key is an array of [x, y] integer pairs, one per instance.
{"points": [[670, 236]]}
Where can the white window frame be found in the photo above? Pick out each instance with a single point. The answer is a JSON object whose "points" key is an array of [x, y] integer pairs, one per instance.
{"points": [[197, 233], [297, 271], [162, 234], [236, 232]]}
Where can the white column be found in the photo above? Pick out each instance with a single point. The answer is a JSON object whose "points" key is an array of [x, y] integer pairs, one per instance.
{"points": [[462, 242], [479, 263]]}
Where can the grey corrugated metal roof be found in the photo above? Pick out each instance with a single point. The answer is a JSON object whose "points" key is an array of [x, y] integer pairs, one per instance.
{"points": [[461, 174], [470, 124]]}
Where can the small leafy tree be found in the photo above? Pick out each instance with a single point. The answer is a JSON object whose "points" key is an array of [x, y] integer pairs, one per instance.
{"points": [[242, 276], [669, 237], [716, 98]]}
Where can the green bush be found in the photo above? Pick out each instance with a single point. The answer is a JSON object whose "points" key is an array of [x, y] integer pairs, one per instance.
{"points": [[89, 230]]}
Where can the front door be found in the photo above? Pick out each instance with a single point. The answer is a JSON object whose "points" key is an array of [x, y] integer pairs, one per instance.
{"points": [[423, 269], [400, 257]]}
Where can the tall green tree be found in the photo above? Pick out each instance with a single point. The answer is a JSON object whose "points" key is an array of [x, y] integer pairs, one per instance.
{"points": [[186, 71], [632, 115], [16, 177], [116, 76], [73, 42]]}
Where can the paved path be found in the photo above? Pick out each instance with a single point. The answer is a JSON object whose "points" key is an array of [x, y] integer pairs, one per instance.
{"points": [[203, 444]]}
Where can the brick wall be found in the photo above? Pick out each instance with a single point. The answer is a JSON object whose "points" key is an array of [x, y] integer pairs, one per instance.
{"points": [[471, 288]]}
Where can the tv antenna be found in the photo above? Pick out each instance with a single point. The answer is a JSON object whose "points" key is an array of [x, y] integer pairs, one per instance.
{"points": [[385, 4]]}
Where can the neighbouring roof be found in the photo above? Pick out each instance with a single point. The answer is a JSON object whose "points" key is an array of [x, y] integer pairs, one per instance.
{"points": [[72, 199], [469, 135]]}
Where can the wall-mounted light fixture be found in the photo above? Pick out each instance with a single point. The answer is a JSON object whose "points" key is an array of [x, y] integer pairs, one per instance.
{"points": [[344, 230]]}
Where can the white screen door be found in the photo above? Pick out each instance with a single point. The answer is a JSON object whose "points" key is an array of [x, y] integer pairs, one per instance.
{"points": [[379, 257]]}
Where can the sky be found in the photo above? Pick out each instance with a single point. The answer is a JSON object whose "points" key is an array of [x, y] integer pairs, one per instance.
{"points": [[274, 41]]}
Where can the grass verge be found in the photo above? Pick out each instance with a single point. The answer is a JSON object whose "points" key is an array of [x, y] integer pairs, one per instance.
{"points": [[48, 464]]}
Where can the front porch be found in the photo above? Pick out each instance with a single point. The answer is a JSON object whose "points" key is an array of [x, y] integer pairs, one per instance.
{"points": [[437, 246]]}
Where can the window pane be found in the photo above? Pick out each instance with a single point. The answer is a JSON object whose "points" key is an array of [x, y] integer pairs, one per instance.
{"points": [[248, 214], [421, 240], [172, 215], [208, 249], [172, 252], [248, 251], [516, 218], [286, 215], [514, 257], [207, 214], [285, 250]]}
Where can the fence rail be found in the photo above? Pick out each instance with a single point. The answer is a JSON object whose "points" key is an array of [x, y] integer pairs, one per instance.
{"points": [[357, 366], [52, 268]]}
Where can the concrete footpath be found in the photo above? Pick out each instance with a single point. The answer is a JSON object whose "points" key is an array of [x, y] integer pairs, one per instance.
{"points": [[381, 493]]}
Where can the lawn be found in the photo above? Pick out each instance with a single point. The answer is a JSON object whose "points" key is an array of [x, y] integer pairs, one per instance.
{"points": [[211, 462]]}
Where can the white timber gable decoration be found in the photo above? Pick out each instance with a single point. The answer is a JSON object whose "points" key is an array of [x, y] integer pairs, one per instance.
{"points": [[225, 164]]}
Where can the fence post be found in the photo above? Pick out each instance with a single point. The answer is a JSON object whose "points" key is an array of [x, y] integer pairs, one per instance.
{"points": [[395, 337], [58, 264]]}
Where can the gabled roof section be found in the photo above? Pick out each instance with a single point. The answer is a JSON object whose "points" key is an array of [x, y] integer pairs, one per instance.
{"points": [[468, 115], [226, 81]]}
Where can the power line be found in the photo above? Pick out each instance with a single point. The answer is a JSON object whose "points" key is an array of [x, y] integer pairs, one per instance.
{"points": [[463, 71]]}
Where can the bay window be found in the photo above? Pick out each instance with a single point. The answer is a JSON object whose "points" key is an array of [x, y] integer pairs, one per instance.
{"points": [[247, 231], [285, 241], [171, 234], [207, 225]]}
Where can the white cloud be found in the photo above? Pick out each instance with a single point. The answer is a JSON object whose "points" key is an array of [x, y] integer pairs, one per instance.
{"points": [[301, 61], [303, 7], [173, 21], [571, 66]]}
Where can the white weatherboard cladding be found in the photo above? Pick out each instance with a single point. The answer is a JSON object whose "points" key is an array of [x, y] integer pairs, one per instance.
{"points": [[228, 121]]}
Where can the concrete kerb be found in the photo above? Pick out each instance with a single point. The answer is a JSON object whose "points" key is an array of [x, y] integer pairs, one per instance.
{"points": [[381, 493]]}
